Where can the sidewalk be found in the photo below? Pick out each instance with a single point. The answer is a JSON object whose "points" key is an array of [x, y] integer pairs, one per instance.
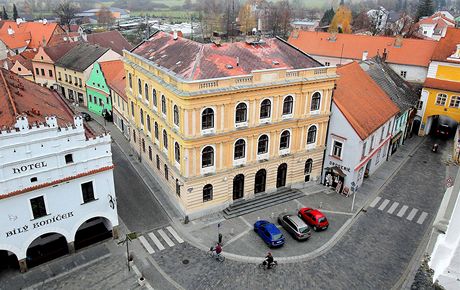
{"points": [[240, 243]]}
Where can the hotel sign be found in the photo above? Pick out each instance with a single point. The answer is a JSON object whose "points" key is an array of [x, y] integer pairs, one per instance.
{"points": [[36, 225], [28, 167]]}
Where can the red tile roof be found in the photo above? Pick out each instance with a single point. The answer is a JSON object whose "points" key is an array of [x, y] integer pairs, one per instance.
{"points": [[115, 76], [58, 51], [25, 58], [363, 103], [442, 85], [412, 51], [196, 61], [20, 96], [39, 32], [447, 45], [437, 18], [17, 40], [110, 39]]}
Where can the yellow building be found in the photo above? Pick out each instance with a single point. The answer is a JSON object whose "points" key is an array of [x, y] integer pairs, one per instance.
{"points": [[222, 122], [440, 100]]}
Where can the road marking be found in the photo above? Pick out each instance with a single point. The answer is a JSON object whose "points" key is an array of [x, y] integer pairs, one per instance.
{"points": [[412, 214], [166, 238], [422, 218], [299, 203], [174, 234], [384, 204], [156, 241], [146, 245], [237, 237], [393, 207], [245, 221], [402, 211], [376, 200], [337, 212]]}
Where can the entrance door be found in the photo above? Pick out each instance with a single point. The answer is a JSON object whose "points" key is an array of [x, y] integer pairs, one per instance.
{"points": [[238, 186], [260, 180], [281, 176]]}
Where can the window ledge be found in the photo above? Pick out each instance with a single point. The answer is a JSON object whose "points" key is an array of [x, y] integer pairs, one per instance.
{"points": [[336, 157], [90, 201]]}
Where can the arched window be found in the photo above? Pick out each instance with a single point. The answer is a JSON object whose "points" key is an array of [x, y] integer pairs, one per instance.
{"points": [[207, 119], [207, 192], [240, 149], [176, 115], [311, 137], [142, 116], [262, 144], [207, 157], [308, 166], [177, 152], [139, 86], [150, 153], [241, 113], [154, 97], [143, 144], [148, 124], [146, 91], [156, 131], [265, 109], [315, 101], [130, 80], [163, 104], [166, 172], [165, 139], [285, 139], [287, 105]]}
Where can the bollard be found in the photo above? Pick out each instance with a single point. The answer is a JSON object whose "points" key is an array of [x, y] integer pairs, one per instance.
{"points": [[258, 218], [231, 231], [321, 205], [220, 239]]}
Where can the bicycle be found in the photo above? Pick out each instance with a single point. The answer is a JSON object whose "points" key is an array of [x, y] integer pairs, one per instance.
{"points": [[264, 265], [212, 254]]}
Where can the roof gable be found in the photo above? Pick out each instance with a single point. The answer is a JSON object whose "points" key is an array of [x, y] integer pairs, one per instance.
{"points": [[362, 102], [115, 76], [96, 79], [447, 45], [110, 39]]}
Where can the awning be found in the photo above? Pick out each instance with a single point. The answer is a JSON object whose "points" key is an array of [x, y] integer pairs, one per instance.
{"points": [[336, 170]]}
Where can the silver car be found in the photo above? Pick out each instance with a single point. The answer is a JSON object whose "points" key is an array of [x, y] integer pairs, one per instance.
{"points": [[298, 229]]}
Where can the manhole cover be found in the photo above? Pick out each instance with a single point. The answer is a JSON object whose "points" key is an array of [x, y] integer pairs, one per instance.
{"points": [[185, 262]]}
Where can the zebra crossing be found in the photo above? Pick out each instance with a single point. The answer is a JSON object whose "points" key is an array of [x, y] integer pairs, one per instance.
{"points": [[160, 239], [391, 208]]}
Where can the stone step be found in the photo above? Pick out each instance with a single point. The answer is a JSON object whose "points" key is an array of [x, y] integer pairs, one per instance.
{"points": [[261, 203], [259, 197]]}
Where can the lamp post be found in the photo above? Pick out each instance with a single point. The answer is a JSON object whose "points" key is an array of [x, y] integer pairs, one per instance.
{"points": [[128, 238]]}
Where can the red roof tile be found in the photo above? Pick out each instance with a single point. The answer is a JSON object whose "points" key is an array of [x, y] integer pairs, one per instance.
{"points": [[110, 39], [20, 96], [17, 40], [412, 51], [442, 85], [39, 32], [447, 45], [363, 103], [115, 76], [196, 61]]}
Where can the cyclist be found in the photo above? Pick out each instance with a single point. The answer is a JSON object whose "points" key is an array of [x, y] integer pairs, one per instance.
{"points": [[218, 249], [269, 259]]}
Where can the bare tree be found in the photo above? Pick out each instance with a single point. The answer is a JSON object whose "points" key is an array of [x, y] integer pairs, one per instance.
{"points": [[246, 19], [361, 22], [66, 12], [105, 17]]}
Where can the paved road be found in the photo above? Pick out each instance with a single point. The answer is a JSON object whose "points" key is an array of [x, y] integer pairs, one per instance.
{"points": [[372, 255], [138, 209]]}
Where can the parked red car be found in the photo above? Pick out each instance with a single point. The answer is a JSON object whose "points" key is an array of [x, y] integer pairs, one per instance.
{"points": [[314, 218]]}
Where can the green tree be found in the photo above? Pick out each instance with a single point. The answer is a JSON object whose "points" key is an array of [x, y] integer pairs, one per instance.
{"points": [[425, 8], [15, 12], [327, 17], [4, 14]]}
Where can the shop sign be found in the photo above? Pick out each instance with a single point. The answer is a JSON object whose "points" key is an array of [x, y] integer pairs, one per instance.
{"points": [[36, 225], [343, 168], [24, 168]]}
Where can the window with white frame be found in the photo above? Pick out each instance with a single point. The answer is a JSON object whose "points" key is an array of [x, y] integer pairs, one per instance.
{"points": [[262, 144], [337, 149], [311, 135], [315, 102], [382, 133], [142, 116], [241, 113], [372, 142], [165, 140], [288, 105], [163, 104], [154, 98], [240, 149], [207, 192], [130, 80], [363, 153], [419, 105], [149, 128], [156, 131], [177, 152], [176, 115], [285, 139], [207, 157], [139, 87], [454, 101], [265, 109], [441, 99], [207, 119], [326, 63], [146, 92], [403, 73]]}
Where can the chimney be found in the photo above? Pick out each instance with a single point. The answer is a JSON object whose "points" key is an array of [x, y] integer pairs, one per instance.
{"points": [[384, 55], [237, 61], [45, 21], [333, 37], [364, 55], [457, 52], [175, 35], [10, 30], [84, 36], [398, 41]]}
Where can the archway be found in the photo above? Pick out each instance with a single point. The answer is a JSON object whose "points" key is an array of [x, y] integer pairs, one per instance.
{"points": [[8, 262], [441, 126], [260, 181], [46, 248], [93, 230], [281, 175], [238, 186]]}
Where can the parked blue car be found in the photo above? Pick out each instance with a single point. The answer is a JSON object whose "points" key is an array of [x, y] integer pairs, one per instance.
{"points": [[271, 235]]}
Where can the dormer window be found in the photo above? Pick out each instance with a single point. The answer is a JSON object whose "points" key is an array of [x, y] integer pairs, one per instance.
{"points": [[457, 52]]}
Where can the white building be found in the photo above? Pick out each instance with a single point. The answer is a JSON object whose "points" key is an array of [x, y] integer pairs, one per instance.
{"points": [[57, 191], [362, 118], [378, 17], [435, 26]]}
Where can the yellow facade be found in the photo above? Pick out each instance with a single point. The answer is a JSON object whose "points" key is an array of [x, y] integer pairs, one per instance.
{"points": [[186, 179], [71, 84]]}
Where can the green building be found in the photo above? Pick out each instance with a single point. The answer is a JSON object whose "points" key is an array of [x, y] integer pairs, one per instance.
{"points": [[98, 92]]}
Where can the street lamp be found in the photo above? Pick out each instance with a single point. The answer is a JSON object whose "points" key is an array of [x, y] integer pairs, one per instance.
{"points": [[128, 238]]}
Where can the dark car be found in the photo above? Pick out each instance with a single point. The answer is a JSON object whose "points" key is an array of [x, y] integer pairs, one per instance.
{"points": [[269, 233], [295, 226], [443, 130], [314, 218], [86, 116]]}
